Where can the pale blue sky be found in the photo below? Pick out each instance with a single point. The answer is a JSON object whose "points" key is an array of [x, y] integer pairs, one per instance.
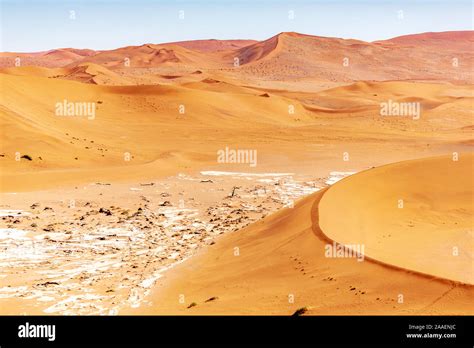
{"points": [[28, 26]]}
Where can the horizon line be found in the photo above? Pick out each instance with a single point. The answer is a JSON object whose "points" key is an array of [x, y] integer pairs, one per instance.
{"points": [[234, 39]]}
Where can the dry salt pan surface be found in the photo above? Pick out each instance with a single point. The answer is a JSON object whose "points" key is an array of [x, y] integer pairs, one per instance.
{"points": [[100, 248], [12, 212], [336, 176]]}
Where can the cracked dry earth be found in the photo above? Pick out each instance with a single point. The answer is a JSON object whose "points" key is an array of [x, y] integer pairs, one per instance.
{"points": [[99, 248]]}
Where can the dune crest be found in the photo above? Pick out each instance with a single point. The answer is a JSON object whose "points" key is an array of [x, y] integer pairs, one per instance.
{"points": [[287, 56], [421, 221]]}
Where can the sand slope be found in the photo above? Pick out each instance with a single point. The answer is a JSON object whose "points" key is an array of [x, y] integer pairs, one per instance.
{"points": [[146, 55], [416, 215], [283, 257], [213, 45], [145, 121], [53, 58], [289, 56], [85, 73]]}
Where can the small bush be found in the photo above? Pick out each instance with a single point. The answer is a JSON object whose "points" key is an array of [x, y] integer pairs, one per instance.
{"points": [[193, 304], [213, 298], [300, 311]]}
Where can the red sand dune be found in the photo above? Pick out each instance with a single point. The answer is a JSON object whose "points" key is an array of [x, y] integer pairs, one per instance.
{"points": [[213, 45], [53, 58], [290, 56]]}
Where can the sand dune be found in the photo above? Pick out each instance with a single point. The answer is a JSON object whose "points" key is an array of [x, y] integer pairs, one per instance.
{"points": [[422, 221], [288, 57], [70, 144], [213, 45], [53, 59], [146, 56], [256, 51], [100, 141], [297, 56], [449, 40], [280, 264], [365, 94], [96, 74], [85, 72], [34, 71]]}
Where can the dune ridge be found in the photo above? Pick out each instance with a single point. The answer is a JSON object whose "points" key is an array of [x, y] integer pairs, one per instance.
{"points": [[409, 233], [328, 115], [287, 56]]}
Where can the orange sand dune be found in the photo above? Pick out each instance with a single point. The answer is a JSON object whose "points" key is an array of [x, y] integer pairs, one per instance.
{"points": [[214, 85], [213, 45], [148, 55], [85, 72], [416, 215], [53, 59], [34, 71], [145, 121], [447, 40], [255, 51], [288, 58], [96, 74], [279, 264], [297, 56], [369, 96]]}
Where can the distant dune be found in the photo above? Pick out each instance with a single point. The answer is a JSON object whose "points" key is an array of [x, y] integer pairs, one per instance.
{"points": [[293, 55], [256, 51], [287, 56], [85, 72], [142, 56], [213, 45], [446, 38], [52, 59]]}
